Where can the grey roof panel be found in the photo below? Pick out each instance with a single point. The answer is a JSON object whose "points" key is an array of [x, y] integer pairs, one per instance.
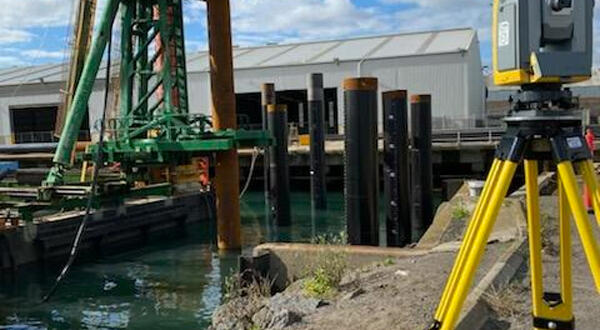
{"points": [[255, 56], [29, 73], [301, 54], [350, 50], [403, 45], [449, 41], [197, 62]]}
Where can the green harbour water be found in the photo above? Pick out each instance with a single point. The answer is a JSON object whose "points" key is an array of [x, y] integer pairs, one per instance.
{"points": [[167, 284]]}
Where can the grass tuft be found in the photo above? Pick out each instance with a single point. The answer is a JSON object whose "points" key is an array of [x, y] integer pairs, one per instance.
{"points": [[507, 301], [389, 261], [460, 211], [325, 275], [236, 287]]}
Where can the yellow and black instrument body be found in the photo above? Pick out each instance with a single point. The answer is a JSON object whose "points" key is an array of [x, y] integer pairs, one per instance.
{"points": [[542, 41]]}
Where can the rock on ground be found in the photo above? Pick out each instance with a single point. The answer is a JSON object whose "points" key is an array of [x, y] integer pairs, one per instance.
{"points": [[277, 312]]}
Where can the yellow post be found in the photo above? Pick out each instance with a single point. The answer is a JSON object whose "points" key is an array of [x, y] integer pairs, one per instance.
{"points": [[473, 257], [473, 227], [224, 117], [84, 168], [590, 247]]}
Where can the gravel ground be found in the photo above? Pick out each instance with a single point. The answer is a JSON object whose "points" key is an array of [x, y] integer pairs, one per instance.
{"points": [[514, 311], [399, 296], [403, 293]]}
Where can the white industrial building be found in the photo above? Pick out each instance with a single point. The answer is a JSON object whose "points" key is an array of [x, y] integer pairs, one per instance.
{"points": [[445, 64]]}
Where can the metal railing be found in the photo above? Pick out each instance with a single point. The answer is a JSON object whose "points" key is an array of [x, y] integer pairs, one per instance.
{"points": [[468, 135], [454, 136], [140, 126], [44, 136]]}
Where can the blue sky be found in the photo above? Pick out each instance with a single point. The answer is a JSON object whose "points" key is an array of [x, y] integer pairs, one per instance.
{"points": [[36, 31]]}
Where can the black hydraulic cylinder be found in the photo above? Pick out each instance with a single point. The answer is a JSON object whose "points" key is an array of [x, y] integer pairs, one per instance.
{"points": [[279, 179], [267, 96], [421, 166], [360, 161], [316, 119], [396, 169]]}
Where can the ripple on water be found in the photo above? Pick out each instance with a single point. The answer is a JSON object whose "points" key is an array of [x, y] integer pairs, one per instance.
{"points": [[169, 284]]}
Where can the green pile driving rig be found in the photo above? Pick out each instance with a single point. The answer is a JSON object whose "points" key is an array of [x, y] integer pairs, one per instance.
{"points": [[154, 128]]}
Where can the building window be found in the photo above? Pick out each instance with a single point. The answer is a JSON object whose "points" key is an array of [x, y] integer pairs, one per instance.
{"points": [[249, 116], [36, 125]]}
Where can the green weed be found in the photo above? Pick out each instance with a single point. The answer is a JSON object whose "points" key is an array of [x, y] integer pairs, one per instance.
{"points": [[460, 212], [324, 277]]}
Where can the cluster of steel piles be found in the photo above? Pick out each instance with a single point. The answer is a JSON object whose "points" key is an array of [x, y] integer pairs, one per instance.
{"points": [[407, 168], [407, 163], [276, 166]]}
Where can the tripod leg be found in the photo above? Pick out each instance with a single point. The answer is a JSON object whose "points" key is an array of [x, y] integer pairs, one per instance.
{"points": [[458, 294], [550, 310], [468, 238], [565, 252], [590, 246], [589, 177], [535, 236]]}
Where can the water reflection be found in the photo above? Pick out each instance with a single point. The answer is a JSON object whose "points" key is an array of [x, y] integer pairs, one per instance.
{"points": [[114, 316], [170, 284], [306, 221]]}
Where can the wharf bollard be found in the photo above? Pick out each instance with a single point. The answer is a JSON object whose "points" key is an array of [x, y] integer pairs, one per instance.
{"points": [[396, 169], [316, 120], [279, 177], [360, 161], [421, 167], [267, 96]]}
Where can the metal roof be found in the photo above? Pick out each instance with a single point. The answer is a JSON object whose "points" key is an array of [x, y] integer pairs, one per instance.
{"points": [[319, 52]]}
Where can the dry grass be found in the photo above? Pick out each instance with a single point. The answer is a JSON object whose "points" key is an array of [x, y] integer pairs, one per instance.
{"points": [[507, 301], [257, 289], [243, 298], [549, 232]]}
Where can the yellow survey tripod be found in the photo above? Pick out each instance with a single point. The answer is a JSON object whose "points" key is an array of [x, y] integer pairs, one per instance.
{"points": [[541, 126]]}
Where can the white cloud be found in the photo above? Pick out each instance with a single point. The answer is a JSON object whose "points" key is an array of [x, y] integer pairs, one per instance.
{"points": [[263, 21], [21, 20], [11, 36], [8, 61], [258, 22], [441, 14], [291, 20], [43, 54], [34, 13]]}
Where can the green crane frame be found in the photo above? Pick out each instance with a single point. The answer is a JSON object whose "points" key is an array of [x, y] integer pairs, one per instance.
{"points": [[151, 128]]}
